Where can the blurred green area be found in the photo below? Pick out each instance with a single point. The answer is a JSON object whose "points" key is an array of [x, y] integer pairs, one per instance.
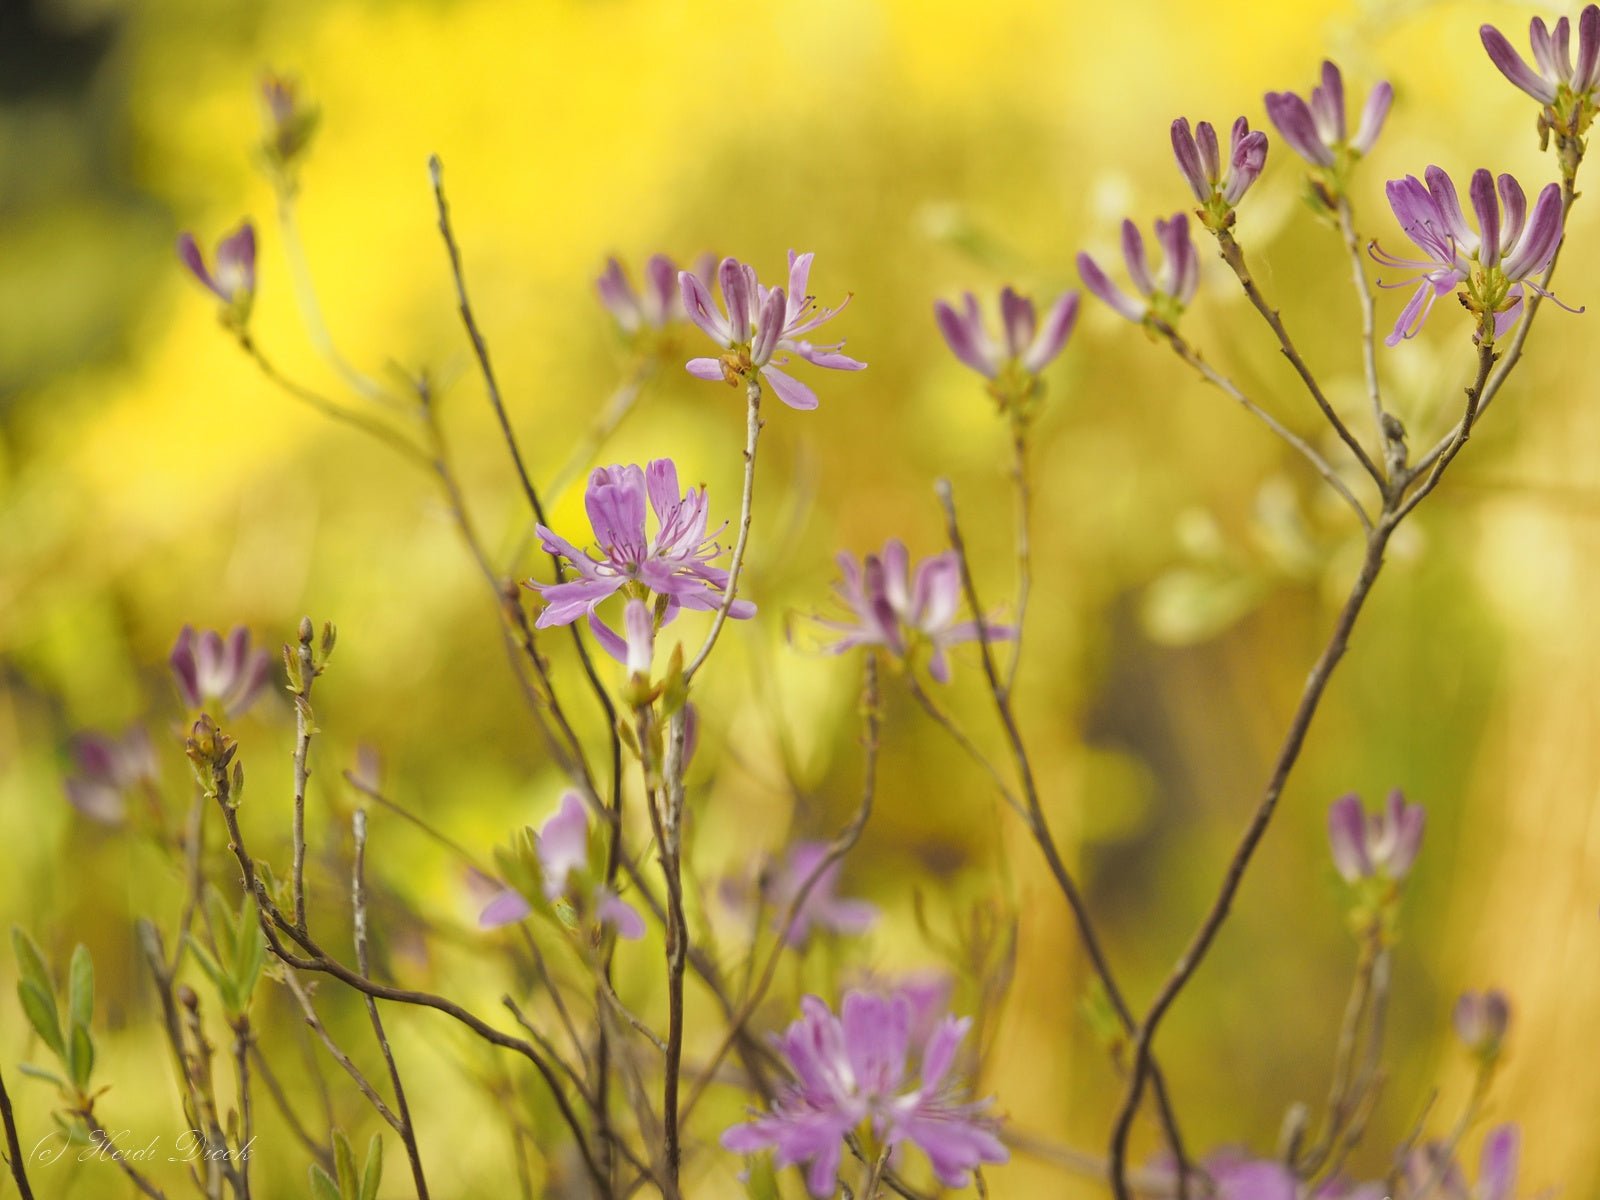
{"points": [[1187, 569]]}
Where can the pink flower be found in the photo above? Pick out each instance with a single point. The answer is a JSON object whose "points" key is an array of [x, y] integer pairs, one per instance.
{"points": [[1027, 347], [563, 848], [656, 305], [856, 1068], [206, 668], [234, 279], [1317, 131], [757, 323], [822, 908], [108, 769], [1382, 844], [675, 563], [1162, 296], [890, 608]]}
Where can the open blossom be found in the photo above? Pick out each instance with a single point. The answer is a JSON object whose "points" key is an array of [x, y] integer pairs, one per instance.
{"points": [[1494, 266], [1217, 184], [1565, 84], [1163, 296], [1317, 131], [562, 846], [233, 280], [674, 563], [108, 769], [759, 326], [1481, 1020], [208, 667], [655, 306], [1025, 348], [823, 907], [1430, 1169], [1380, 844], [855, 1068], [890, 607]]}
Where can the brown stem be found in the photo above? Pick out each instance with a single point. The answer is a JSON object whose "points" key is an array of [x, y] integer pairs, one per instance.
{"points": [[19, 1171], [836, 852], [286, 1109], [752, 434], [358, 903], [304, 725], [664, 796], [1233, 255], [1039, 827], [242, 1041], [1363, 290], [1024, 489], [102, 1141]]}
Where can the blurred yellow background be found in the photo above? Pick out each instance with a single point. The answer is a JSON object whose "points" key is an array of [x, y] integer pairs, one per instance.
{"points": [[150, 477]]}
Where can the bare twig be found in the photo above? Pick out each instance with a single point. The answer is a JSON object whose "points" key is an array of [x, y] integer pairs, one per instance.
{"points": [[358, 903], [752, 434], [102, 1141], [19, 1171], [1216, 378], [304, 726], [1024, 490], [1233, 255], [841, 845], [1363, 290], [1039, 827]]}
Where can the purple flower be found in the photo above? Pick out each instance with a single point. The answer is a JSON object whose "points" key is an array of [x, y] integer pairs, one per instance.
{"points": [[563, 851], [854, 1068], [1238, 1175], [1493, 266], [1382, 844], [1564, 85], [1317, 131], [675, 563], [657, 305], [757, 322], [206, 667], [1431, 1167], [1026, 346], [822, 908], [108, 769], [290, 122], [234, 279], [903, 614], [1216, 184], [1164, 297], [1481, 1020]]}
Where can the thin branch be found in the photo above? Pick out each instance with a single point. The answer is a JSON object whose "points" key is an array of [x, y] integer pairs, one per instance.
{"points": [[102, 1142], [1024, 491], [358, 904], [357, 1076], [1039, 827], [946, 722], [1463, 431], [1233, 255], [286, 1109], [242, 1041], [752, 434], [1192, 356], [1363, 290], [841, 846], [19, 1172], [304, 726]]}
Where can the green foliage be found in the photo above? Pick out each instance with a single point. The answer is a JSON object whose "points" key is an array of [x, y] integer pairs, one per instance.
{"points": [[72, 1044], [347, 1183], [241, 953]]}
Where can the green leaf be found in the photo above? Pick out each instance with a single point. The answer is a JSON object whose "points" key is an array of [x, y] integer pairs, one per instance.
{"points": [[372, 1173], [40, 1005], [80, 1057], [33, 1072], [30, 963], [344, 1159], [80, 988], [322, 1187]]}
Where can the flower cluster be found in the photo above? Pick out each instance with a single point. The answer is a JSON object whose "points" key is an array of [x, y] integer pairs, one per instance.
{"points": [[109, 768], [672, 567], [852, 1072], [234, 280], [1012, 363], [905, 613], [1564, 84], [1218, 186], [1161, 297], [1316, 129], [207, 667], [757, 323], [1494, 266], [564, 867]]}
